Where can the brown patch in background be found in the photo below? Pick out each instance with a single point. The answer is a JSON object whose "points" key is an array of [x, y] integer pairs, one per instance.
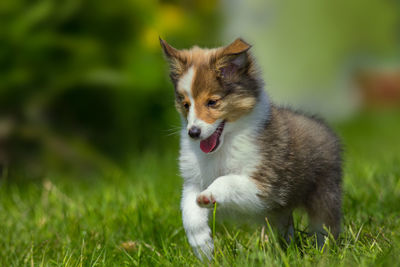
{"points": [[379, 88]]}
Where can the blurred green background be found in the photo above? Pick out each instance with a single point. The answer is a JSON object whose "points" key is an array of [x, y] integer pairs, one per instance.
{"points": [[84, 87]]}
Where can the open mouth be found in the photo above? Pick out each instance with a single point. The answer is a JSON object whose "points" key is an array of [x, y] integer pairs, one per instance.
{"points": [[211, 143]]}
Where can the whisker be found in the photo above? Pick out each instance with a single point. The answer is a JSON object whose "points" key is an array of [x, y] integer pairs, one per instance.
{"points": [[174, 130], [173, 133]]}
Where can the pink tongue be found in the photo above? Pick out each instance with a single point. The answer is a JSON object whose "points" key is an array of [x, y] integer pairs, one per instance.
{"points": [[209, 144]]}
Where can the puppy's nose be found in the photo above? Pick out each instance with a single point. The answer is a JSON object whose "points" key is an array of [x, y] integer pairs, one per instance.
{"points": [[194, 132]]}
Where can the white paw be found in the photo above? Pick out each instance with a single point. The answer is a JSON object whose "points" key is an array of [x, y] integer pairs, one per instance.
{"points": [[205, 252], [206, 199], [202, 244]]}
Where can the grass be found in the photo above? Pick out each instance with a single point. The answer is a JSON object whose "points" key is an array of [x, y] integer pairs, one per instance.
{"points": [[132, 217]]}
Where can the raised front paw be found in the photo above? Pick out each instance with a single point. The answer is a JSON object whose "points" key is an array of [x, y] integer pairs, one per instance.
{"points": [[202, 244], [205, 199]]}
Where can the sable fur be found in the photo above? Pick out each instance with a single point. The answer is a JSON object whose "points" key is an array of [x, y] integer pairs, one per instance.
{"points": [[301, 166], [268, 160]]}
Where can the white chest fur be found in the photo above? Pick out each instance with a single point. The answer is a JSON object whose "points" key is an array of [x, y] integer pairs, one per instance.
{"points": [[238, 155]]}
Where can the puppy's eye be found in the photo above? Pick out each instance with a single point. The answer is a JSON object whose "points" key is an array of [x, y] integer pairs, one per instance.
{"points": [[211, 103], [186, 106]]}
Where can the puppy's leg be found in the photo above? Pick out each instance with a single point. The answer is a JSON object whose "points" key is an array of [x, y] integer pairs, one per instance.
{"points": [[283, 222], [195, 222], [238, 192], [324, 210]]}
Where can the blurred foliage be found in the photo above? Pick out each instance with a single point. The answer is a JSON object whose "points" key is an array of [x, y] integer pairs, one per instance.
{"points": [[84, 84]]}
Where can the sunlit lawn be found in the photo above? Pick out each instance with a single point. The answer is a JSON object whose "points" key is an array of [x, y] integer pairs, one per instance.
{"points": [[133, 218]]}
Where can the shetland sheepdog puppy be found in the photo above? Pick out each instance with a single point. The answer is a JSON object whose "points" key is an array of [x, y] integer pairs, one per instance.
{"points": [[254, 159]]}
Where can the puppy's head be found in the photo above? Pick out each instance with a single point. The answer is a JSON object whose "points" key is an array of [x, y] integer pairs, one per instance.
{"points": [[213, 87]]}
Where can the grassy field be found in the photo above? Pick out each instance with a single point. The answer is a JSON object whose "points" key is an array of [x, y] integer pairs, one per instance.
{"points": [[132, 217]]}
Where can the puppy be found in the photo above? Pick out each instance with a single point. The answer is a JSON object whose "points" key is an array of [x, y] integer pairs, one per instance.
{"points": [[254, 159]]}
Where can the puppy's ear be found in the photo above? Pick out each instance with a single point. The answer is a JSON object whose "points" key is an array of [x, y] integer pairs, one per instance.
{"points": [[236, 47], [168, 50], [175, 59], [233, 59]]}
